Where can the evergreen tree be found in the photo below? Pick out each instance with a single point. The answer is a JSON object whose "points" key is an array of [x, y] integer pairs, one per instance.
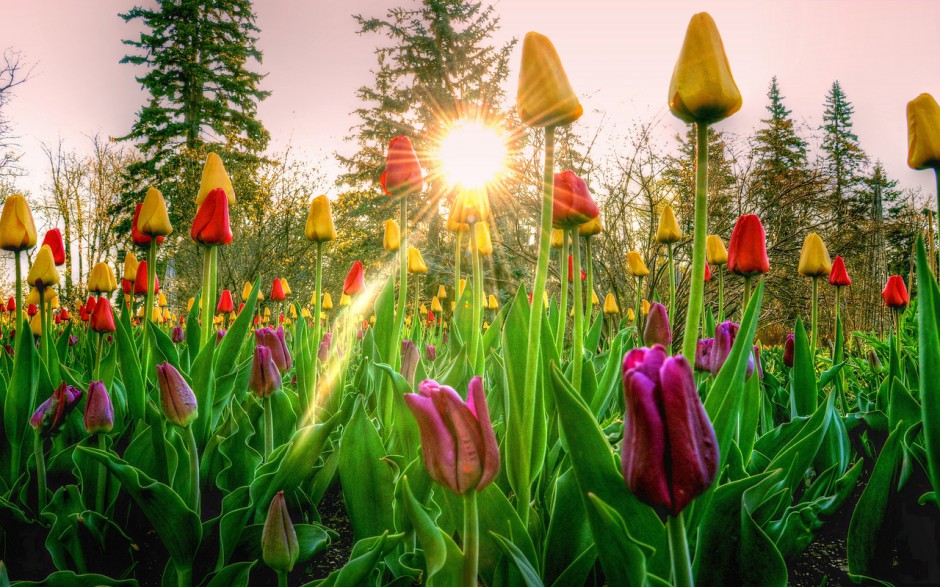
{"points": [[777, 146], [202, 97], [844, 159]]}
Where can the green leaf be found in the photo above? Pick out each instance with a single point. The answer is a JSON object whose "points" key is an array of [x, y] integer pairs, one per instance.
{"points": [[21, 392], [428, 534], [70, 579], [929, 355], [529, 575], [621, 556], [234, 339], [803, 376], [234, 575], [569, 533], [518, 441], [367, 481]]}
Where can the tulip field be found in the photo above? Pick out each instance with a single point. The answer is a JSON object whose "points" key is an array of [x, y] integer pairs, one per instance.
{"points": [[566, 437]]}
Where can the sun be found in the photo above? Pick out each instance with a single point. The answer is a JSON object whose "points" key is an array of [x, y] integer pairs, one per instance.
{"points": [[472, 154]]}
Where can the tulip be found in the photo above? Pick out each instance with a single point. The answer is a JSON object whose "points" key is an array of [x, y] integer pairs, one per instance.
{"points": [[436, 305], [214, 177], [572, 204], [177, 335], [11, 304], [557, 238], [99, 413], [430, 352], [789, 348], [545, 97], [323, 351], [176, 397], [211, 226], [137, 237], [757, 364], [17, 230], [668, 231], [483, 240], [130, 266], [703, 354], [392, 237], [319, 227], [663, 414], [747, 253], [657, 329], [101, 279], [874, 363], [708, 273], [725, 333], [895, 293], [592, 227], [403, 174], [493, 303], [43, 272], [409, 360], [838, 276], [355, 280], [416, 263], [645, 307], [50, 416], [265, 377], [219, 335], [923, 133], [161, 300], [277, 291], [327, 301], [285, 286], [32, 310], [814, 258], [35, 325], [715, 252], [140, 284], [610, 304], [279, 546], [226, 304], [102, 318], [469, 206], [637, 265], [53, 239], [274, 340], [153, 218], [441, 293], [702, 89], [571, 270]]}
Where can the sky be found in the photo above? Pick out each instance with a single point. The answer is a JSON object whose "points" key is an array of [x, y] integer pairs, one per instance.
{"points": [[619, 55]]}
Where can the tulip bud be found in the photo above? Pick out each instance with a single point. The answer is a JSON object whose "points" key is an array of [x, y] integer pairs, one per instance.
{"points": [[176, 397], [703, 354], [211, 225], [53, 239], [219, 335], [32, 310], [441, 293], [355, 280], [670, 453], [327, 301], [668, 231], [460, 286], [747, 253], [101, 279], [895, 293], [757, 364], [657, 329], [557, 238], [161, 300], [839, 277], [140, 283], [416, 263], [17, 230], [610, 304], [430, 352], [457, 440], [392, 238], [319, 227], [130, 267], [572, 204], [226, 303], [285, 286], [484, 243], [591, 227], [409, 360], [923, 133], [468, 207], [571, 270], [702, 89], [279, 546], [708, 272], [177, 335], [277, 291], [637, 265], [137, 237], [50, 416], [493, 303], [436, 305], [265, 377], [423, 309], [35, 325], [403, 174], [645, 307], [154, 220], [725, 333], [544, 97], [323, 352], [789, 350], [274, 340], [715, 252], [214, 177], [874, 363], [814, 258], [99, 413], [43, 272], [102, 318]]}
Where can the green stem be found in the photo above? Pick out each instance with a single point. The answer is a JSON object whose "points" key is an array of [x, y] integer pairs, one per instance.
{"points": [[458, 238], [211, 284], [476, 355], [206, 311], [589, 304], [672, 289], [679, 552], [44, 339], [148, 304], [402, 278], [102, 478], [281, 579], [470, 538], [268, 427], [747, 295], [815, 319], [577, 336], [563, 295], [721, 293], [636, 315], [19, 293], [316, 321], [40, 470], [194, 498], [417, 307], [523, 492], [184, 576], [697, 287], [98, 356]]}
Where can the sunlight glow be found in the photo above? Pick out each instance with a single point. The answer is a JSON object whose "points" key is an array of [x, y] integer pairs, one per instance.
{"points": [[472, 154]]}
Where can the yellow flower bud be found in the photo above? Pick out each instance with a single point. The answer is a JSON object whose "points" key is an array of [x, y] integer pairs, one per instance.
{"points": [[442, 292], [154, 220], [436, 305], [102, 278], [637, 265], [319, 227], [156, 316], [423, 309], [702, 87], [285, 287], [645, 307], [246, 291], [43, 272], [486, 325], [130, 266], [668, 231], [462, 285], [715, 251], [469, 206], [591, 227], [343, 301], [631, 315], [557, 238], [453, 306], [415, 261], [327, 301], [35, 324], [293, 311], [161, 300], [214, 176], [545, 97], [372, 319], [610, 304], [594, 299], [305, 312], [17, 230], [392, 239], [454, 226], [814, 258], [189, 304], [267, 312], [494, 303], [484, 244], [923, 133]]}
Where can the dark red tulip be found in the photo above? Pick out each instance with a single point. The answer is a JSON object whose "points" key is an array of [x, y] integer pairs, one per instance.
{"points": [[177, 335], [725, 334], [265, 377], [127, 286], [274, 340], [211, 225], [53, 238], [50, 415], [32, 310], [140, 282], [277, 291], [102, 318], [670, 453], [747, 251], [90, 304], [839, 277], [176, 397], [226, 304], [402, 173], [99, 413], [789, 350], [572, 204], [11, 304], [140, 239], [355, 279], [895, 293], [64, 314], [657, 329]]}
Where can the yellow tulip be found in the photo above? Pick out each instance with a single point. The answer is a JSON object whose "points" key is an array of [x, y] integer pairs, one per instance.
{"points": [[156, 316], [343, 301], [319, 227], [484, 244], [130, 266], [35, 324], [161, 300], [631, 315], [462, 284], [557, 238], [214, 176], [668, 231], [454, 226], [469, 206], [486, 325], [54, 301], [594, 299], [637, 266], [154, 220], [285, 287], [715, 251], [415, 261], [442, 292], [293, 311], [923, 133], [591, 227], [392, 239], [372, 319], [267, 312], [327, 301], [32, 297], [702, 87], [423, 309], [305, 313], [43, 272], [17, 229], [610, 304], [645, 307], [814, 258], [189, 304], [545, 97], [140, 312], [101, 278], [436, 305], [494, 304]]}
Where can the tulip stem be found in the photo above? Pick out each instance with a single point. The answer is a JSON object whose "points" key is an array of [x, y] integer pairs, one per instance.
{"points": [[98, 356], [672, 288], [43, 339], [204, 311], [459, 238], [281, 579], [563, 296], [471, 538], [697, 288], [815, 318], [402, 274], [636, 316], [721, 296], [19, 293], [40, 470], [476, 353], [268, 428], [417, 308], [589, 261], [932, 254], [747, 295], [679, 552], [523, 491], [184, 576], [194, 469], [148, 304], [577, 335], [102, 478], [316, 321]]}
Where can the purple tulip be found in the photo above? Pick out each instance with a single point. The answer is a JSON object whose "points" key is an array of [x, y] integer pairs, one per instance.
{"points": [[703, 354], [757, 364], [409, 360], [219, 335], [788, 350], [99, 413], [177, 335], [265, 377], [670, 453], [274, 340], [323, 353], [457, 439], [657, 329], [176, 397], [430, 352], [725, 333], [72, 340], [51, 414]]}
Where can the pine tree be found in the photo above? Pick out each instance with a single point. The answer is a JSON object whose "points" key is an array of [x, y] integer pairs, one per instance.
{"points": [[844, 159], [202, 97], [778, 148]]}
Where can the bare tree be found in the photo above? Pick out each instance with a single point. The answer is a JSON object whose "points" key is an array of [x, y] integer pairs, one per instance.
{"points": [[14, 71]]}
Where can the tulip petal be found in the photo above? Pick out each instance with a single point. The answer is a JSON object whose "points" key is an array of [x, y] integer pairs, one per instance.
{"points": [[467, 437], [437, 444], [643, 457], [476, 403]]}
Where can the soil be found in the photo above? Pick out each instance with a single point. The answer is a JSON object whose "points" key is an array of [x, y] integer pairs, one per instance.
{"points": [[332, 510]]}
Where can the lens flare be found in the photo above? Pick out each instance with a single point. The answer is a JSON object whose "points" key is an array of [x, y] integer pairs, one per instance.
{"points": [[472, 154]]}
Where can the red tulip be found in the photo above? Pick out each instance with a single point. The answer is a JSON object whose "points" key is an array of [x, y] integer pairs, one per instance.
{"points": [[102, 318], [54, 240], [789, 350], [11, 304], [90, 304], [895, 293], [274, 340], [211, 225], [839, 277], [277, 291], [140, 239], [402, 173], [225, 304], [32, 310], [355, 280], [572, 204], [747, 251], [265, 377], [140, 282], [708, 272], [571, 270], [99, 412], [63, 313], [127, 286]]}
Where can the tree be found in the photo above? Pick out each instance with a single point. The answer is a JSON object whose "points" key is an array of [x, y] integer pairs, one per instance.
{"points": [[14, 71], [203, 97], [844, 158]]}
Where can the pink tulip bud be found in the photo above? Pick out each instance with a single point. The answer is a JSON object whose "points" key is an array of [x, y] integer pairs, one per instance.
{"points": [[409, 360], [788, 351], [274, 340], [323, 353], [99, 413], [725, 333], [657, 329], [265, 377], [177, 335], [703, 354], [430, 352], [176, 397]]}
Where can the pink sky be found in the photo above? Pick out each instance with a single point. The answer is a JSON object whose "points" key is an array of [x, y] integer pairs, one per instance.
{"points": [[618, 54]]}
